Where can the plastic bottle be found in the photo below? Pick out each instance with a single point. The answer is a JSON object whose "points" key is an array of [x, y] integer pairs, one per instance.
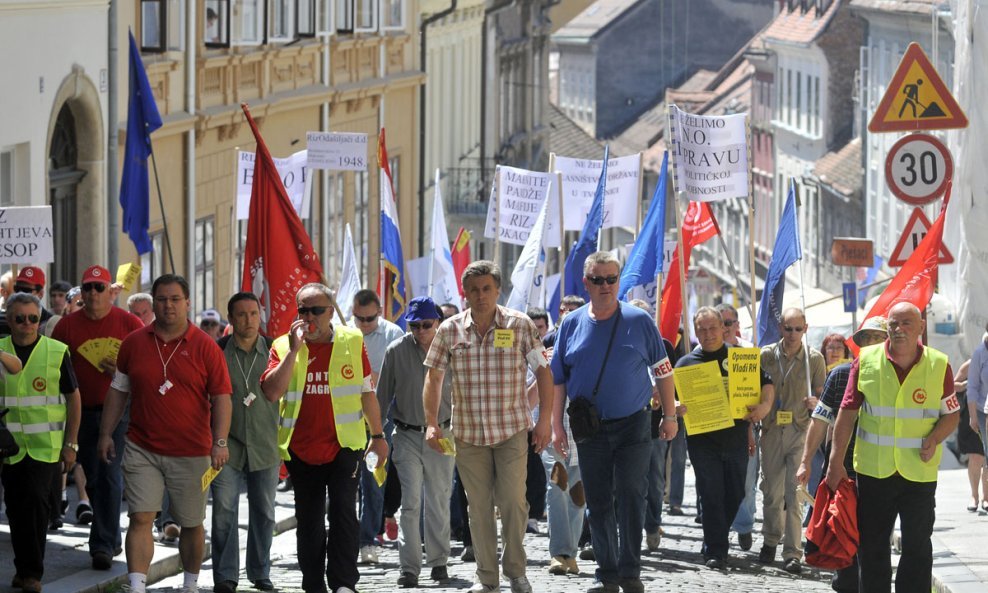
{"points": [[371, 461]]}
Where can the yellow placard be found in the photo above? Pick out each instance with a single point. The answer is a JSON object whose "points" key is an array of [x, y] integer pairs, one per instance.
{"points": [[783, 417], [447, 446], [111, 348], [744, 379], [127, 274], [701, 390], [381, 473], [504, 338], [208, 476], [92, 351]]}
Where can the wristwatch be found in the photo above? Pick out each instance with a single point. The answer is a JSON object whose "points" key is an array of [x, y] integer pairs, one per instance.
{"points": [[73, 446], [221, 443], [669, 418], [378, 436]]}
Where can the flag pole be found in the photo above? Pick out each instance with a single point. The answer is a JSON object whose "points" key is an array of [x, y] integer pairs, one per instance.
{"points": [[161, 204], [432, 259], [671, 140], [496, 194], [562, 230], [802, 299], [751, 238]]}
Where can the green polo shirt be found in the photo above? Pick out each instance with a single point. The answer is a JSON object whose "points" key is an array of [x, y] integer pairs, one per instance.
{"points": [[253, 438]]}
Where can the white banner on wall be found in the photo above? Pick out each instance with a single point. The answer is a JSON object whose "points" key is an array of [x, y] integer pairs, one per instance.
{"points": [[337, 151]]}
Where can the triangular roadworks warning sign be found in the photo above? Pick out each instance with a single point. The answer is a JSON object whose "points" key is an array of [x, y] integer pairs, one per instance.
{"points": [[917, 99], [916, 228]]}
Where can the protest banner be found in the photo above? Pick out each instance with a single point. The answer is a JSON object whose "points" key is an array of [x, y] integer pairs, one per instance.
{"points": [[515, 206], [292, 171], [25, 235], [744, 386], [622, 196], [701, 390], [710, 155]]}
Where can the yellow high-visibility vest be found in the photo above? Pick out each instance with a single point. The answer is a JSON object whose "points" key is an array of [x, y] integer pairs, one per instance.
{"points": [[37, 410], [346, 380], [894, 419]]}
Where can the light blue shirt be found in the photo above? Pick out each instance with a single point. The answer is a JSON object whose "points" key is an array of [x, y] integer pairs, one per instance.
{"points": [[977, 376], [377, 341]]}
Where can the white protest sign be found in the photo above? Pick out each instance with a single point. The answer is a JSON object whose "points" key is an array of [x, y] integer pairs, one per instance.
{"points": [[711, 155], [25, 235], [622, 195], [337, 151], [521, 195], [292, 171]]}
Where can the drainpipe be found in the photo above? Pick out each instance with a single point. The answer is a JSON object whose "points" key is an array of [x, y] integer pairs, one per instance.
{"points": [[483, 84], [190, 153], [422, 128], [112, 119]]}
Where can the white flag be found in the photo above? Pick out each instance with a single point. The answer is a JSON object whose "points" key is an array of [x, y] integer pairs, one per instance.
{"points": [[529, 272], [349, 279], [442, 277]]}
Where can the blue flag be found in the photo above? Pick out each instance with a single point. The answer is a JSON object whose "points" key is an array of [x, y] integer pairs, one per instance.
{"points": [[142, 119], [587, 244], [786, 251], [645, 259]]}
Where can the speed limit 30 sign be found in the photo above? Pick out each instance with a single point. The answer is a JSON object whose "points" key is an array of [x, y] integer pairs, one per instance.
{"points": [[918, 168]]}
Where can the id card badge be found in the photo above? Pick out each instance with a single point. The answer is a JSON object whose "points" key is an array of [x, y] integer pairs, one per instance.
{"points": [[783, 417], [165, 387], [249, 399], [504, 338]]}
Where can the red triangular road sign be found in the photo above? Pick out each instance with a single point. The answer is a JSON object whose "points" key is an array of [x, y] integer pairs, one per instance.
{"points": [[917, 98], [916, 228]]}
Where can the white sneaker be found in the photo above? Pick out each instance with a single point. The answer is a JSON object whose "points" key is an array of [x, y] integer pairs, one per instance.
{"points": [[482, 588], [652, 541], [532, 527], [520, 585], [368, 555]]}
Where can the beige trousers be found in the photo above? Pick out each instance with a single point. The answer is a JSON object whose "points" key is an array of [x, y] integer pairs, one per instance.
{"points": [[782, 448]]}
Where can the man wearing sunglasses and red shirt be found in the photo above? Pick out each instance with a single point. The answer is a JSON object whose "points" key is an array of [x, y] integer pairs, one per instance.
{"points": [[86, 329]]}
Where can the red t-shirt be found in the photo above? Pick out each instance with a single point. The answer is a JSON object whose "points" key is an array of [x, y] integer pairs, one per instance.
{"points": [[853, 398], [314, 438], [176, 423], [76, 330]]}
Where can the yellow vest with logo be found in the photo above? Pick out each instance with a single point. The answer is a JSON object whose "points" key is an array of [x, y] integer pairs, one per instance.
{"points": [[37, 411], [346, 380], [894, 419]]}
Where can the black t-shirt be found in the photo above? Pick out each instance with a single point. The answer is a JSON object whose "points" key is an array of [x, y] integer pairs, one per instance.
{"points": [[727, 439], [67, 382]]}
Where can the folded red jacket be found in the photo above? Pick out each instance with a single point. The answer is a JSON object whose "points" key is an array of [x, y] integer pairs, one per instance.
{"points": [[832, 534]]}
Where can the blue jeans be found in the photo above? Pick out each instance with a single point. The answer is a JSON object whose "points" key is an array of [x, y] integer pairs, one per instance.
{"points": [[261, 485], [720, 477], [372, 500], [614, 465], [565, 517], [677, 468], [656, 485], [744, 521], [104, 482]]}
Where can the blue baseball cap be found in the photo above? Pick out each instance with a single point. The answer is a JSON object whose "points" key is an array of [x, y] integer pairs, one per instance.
{"points": [[421, 308]]}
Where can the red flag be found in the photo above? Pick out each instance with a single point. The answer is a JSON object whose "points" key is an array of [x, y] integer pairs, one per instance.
{"points": [[916, 279], [698, 226], [461, 256], [278, 256]]}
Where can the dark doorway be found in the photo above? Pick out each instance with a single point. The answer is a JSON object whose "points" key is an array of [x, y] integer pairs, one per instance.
{"points": [[63, 181]]}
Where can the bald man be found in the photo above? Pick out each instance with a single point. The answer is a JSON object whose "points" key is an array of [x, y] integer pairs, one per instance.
{"points": [[902, 395]]}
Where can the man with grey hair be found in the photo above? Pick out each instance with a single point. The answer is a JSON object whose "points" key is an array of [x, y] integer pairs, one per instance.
{"points": [[142, 305], [487, 350], [620, 384]]}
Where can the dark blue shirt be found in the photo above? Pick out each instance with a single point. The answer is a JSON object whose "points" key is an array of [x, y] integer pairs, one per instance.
{"points": [[581, 343]]}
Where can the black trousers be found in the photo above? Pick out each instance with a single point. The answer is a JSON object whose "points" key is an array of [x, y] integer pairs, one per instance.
{"points": [[26, 490], [535, 484], [335, 554], [880, 501]]}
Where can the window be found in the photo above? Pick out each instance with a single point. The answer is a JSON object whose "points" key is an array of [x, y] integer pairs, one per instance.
{"points": [[241, 243], [366, 15], [333, 249], [394, 163], [800, 112], [816, 105], [324, 17], [162, 25], [789, 107], [307, 18], [153, 262], [7, 178], [216, 31], [205, 264], [392, 15], [247, 22], [281, 21], [344, 16]]}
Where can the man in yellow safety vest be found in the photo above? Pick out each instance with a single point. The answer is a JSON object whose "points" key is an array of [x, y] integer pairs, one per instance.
{"points": [[902, 395]]}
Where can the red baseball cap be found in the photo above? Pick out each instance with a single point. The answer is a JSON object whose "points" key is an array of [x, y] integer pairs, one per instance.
{"points": [[96, 274], [32, 275]]}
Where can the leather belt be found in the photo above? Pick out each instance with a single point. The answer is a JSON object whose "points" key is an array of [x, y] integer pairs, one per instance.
{"points": [[413, 427]]}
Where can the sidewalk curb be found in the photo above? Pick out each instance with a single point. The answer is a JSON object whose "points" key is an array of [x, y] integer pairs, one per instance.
{"points": [[950, 574], [164, 566]]}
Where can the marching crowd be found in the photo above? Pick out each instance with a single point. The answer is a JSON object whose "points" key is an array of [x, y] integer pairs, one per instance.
{"points": [[455, 413]]}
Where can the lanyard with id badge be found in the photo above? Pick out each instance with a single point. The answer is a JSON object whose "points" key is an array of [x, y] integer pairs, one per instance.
{"points": [[250, 397], [782, 417], [166, 385]]}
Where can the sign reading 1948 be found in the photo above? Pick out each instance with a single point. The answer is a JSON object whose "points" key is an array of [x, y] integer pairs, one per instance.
{"points": [[337, 151], [918, 168]]}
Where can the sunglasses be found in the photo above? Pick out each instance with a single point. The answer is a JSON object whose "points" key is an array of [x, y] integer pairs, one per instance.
{"points": [[91, 286], [368, 319], [317, 311], [729, 322], [25, 289], [26, 319], [600, 280], [789, 329], [415, 326]]}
